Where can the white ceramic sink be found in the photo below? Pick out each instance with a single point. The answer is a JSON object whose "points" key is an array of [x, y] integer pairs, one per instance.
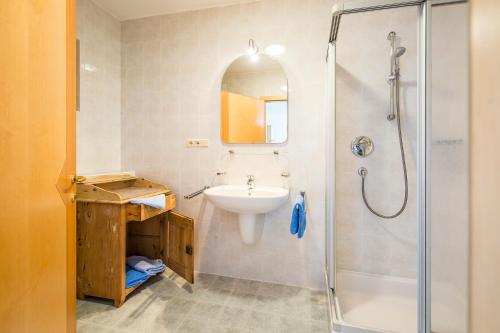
{"points": [[250, 204], [239, 199]]}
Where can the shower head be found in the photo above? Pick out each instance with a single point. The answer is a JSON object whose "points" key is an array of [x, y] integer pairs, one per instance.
{"points": [[399, 51]]}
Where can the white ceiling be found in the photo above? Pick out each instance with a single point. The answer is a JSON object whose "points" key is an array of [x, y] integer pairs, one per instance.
{"points": [[132, 9]]}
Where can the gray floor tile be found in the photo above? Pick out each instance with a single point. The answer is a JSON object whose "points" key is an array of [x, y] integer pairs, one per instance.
{"points": [[192, 326], [271, 304], [141, 318], [215, 304], [233, 317], [292, 325], [167, 322], [101, 312], [262, 322], [94, 328], [86, 310], [318, 297], [162, 287], [298, 306], [319, 326], [241, 299], [232, 330], [190, 293], [291, 291], [223, 282], [273, 289], [247, 286], [218, 296], [205, 312], [204, 280], [179, 306], [319, 312], [171, 315]]}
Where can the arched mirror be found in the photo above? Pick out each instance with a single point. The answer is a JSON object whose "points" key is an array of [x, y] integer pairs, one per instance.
{"points": [[254, 101]]}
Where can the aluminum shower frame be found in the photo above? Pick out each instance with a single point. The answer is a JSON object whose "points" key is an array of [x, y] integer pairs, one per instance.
{"points": [[423, 149]]}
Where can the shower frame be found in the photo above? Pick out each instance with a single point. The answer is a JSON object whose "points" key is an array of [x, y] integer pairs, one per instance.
{"points": [[423, 154]]}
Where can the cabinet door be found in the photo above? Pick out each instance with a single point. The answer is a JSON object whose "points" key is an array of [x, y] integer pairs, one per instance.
{"points": [[179, 245]]}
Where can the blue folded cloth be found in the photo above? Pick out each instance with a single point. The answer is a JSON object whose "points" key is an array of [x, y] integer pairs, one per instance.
{"points": [[133, 277], [157, 201], [298, 224], [146, 265]]}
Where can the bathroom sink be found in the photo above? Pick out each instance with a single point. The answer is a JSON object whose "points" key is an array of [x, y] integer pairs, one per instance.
{"points": [[250, 204], [239, 199]]}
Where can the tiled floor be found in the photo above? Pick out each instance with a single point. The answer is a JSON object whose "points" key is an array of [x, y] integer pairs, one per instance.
{"points": [[214, 304]]}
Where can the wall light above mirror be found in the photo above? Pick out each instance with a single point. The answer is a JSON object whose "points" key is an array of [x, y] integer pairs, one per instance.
{"points": [[254, 100]]}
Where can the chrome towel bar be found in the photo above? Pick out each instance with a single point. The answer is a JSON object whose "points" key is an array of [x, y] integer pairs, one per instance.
{"points": [[194, 194]]}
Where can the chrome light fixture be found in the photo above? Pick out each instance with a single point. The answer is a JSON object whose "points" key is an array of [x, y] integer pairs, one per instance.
{"points": [[252, 48]]}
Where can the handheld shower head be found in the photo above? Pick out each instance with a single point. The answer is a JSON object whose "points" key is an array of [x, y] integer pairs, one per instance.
{"points": [[393, 78], [396, 52], [399, 51]]}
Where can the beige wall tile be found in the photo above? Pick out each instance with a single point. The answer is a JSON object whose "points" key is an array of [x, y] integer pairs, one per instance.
{"points": [[99, 118], [185, 64]]}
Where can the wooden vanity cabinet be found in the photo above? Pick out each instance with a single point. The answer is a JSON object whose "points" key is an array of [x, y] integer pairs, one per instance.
{"points": [[109, 228]]}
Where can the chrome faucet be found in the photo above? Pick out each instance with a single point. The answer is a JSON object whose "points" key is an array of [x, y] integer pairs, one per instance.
{"points": [[250, 181]]}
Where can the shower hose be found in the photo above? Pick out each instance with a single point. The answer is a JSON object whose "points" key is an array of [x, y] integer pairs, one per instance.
{"points": [[363, 172]]}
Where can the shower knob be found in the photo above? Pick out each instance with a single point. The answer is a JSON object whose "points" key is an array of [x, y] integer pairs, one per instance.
{"points": [[362, 146]]}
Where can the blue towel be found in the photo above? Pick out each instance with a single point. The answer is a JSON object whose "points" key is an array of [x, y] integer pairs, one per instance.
{"points": [[146, 265], [133, 277], [298, 224]]}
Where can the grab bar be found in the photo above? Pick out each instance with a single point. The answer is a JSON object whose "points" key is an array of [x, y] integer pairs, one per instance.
{"points": [[194, 194]]}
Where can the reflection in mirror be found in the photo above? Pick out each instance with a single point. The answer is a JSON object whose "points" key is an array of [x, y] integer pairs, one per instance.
{"points": [[254, 101]]}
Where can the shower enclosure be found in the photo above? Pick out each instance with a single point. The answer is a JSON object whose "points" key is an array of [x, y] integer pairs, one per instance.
{"points": [[397, 212]]}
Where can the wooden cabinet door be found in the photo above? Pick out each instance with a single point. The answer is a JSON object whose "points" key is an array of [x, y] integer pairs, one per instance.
{"points": [[37, 145], [179, 245]]}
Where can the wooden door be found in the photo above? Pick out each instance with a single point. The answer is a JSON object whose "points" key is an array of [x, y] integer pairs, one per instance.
{"points": [[484, 268], [243, 119], [179, 254], [37, 217]]}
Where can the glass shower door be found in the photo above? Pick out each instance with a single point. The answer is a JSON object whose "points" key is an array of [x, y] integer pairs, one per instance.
{"points": [[375, 265], [376, 258], [449, 169]]}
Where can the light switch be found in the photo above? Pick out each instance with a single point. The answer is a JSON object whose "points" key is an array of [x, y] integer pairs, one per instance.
{"points": [[197, 143]]}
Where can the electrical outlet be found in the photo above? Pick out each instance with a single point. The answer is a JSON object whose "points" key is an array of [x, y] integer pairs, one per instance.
{"points": [[197, 143]]}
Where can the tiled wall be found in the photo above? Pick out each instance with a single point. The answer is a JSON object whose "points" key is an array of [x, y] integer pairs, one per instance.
{"points": [[171, 77], [365, 242], [99, 119]]}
